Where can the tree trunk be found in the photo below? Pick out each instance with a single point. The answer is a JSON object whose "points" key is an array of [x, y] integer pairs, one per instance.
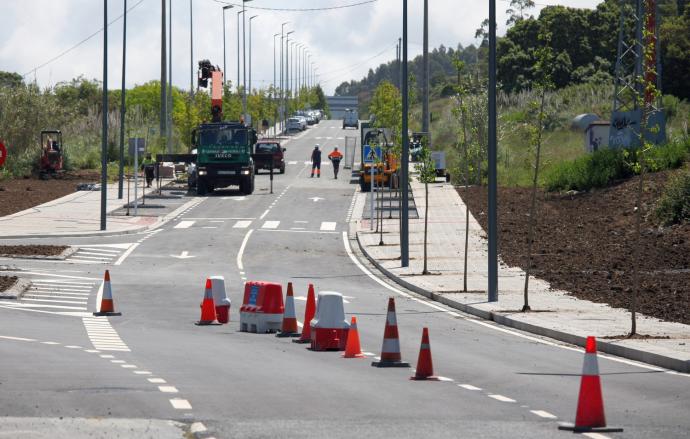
{"points": [[533, 207]]}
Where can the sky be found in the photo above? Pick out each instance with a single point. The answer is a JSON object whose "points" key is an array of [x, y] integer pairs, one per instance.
{"points": [[344, 43]]}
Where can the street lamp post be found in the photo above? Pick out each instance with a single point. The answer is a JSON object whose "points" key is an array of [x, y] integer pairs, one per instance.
{"points": [[244, 63], [273, 93], [121, 170], [164, 71], [225, 66], [238, 49], [492, 150], [104, 139], [250, 52], [287, 71], [170, 92], [191, 49], [404, 223]]}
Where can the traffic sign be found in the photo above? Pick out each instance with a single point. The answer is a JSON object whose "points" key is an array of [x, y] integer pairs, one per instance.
{"points": [[3, 153], [372, 154], [139, 143]]}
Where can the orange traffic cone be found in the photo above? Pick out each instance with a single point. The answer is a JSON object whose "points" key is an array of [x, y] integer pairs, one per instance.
{"points": [[352, 348], [107, 305], [390, 352], [309, 312], [208, 308], [425, 367], [289, 328], [590, 404]]}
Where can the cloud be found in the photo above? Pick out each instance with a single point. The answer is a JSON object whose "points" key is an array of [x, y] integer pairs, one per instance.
{"points": [[338, 40]]}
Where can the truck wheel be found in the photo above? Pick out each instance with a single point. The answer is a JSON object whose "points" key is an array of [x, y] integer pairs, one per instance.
{"points": [[201, 188], [364, 186], [282, 169], [247, 185]]}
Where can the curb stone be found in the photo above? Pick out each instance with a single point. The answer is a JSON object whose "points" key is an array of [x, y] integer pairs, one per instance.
{"points": [[66, 253], [666, 362], [17, 290]]}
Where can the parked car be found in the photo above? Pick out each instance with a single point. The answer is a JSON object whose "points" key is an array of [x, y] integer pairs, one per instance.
{"points": [[262, 159], [295, 124]]}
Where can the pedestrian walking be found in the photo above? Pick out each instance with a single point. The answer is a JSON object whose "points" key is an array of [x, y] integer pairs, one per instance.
{"points": [[316, 162], [147, 165], [335, 156]]}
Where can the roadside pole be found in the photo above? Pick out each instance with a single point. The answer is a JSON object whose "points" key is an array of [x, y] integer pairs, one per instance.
{"points": [[136, 175], [493, 183], [404, 184], [371, 189], [104, 139]]}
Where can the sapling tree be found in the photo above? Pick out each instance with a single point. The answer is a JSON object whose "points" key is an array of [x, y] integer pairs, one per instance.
{"points": [[426, 169], [543, 70]]}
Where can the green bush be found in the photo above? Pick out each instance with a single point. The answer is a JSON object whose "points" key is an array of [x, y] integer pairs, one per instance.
{"points": [[598, 169], [674, 205], [603, 167]]}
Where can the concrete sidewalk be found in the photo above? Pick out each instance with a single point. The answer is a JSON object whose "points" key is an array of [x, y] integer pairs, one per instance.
{"points": [[559, 315], [77, 214]]}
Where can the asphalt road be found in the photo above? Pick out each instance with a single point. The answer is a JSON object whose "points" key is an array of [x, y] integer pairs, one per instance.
{"points": [[153, 372]]}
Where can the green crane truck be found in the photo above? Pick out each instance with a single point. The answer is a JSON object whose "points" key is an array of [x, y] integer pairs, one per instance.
{"points": [[224, 157]]}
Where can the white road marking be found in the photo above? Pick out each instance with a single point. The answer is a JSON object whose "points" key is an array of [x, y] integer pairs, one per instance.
{"points": [[543, 414], [197, 427], [299, 231], [209, 227], [102, 335], [98, 253], [183, 255], [450, 380], [50, 342], [595, 435], [292, 163], [129, 366], [184, 224], [301, 222], [73, 302], [107, 356], [297, 228], [328, 226], [156, 380], [501, 398], [126, 253], [469, 387], [118, 361], [221, 218], [168, 389], [263, 215], [7, 337], [241, 251], [142, 372], [271, 225], [241, 224], [180, 404]]}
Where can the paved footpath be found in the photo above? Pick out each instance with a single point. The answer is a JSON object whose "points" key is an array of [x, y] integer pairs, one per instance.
{"points": [[561, 316], [76, 214]]}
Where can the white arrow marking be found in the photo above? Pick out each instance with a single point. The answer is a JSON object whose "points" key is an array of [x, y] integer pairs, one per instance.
{"points": [[183, 255], [316, 199]]}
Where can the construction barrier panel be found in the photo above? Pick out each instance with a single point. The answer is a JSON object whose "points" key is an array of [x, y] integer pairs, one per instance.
{"points": [[220, 299], [262, 307]]}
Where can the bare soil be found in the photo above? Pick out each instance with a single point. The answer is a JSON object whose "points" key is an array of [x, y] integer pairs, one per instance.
{"points": [[23, 193], [584, 245], [32, 250], [6, 282]]}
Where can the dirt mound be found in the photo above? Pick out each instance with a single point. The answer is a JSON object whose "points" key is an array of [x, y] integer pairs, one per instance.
{"points": [[6, 282], [23, 193], [32, 250], [584, 244]]}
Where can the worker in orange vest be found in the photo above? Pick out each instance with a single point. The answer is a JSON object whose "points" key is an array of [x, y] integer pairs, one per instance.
{"points": [[335, 156]]}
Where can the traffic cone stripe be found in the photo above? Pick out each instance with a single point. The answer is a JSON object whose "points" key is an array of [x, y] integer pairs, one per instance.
{"points": [[107, 306], [390, 350], [309, 312], [352, 347], [425, 346], [425, 366], [391, 345], [591, 365], [208, 307], [391, 319], [289, 327]]}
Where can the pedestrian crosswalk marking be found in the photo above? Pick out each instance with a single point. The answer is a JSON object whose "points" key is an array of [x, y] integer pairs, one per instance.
{"points": [[241, 224], [102, 335], [94, 254], [328, 226], [184, 224], [292, 162], [271, 225]]}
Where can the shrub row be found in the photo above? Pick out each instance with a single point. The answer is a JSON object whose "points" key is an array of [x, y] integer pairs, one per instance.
{"points": [[605, 166]]}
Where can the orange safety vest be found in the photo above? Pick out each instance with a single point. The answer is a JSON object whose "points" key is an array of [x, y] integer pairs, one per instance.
{"points": [[335, 155]]}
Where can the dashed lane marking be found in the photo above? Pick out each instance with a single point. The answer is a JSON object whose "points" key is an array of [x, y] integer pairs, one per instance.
{"points": [[469, 387], [180, 404], [500, 398], [126, 253], [156, 380], [271, 225], [241, 224], [543, 414], [168, 389]]}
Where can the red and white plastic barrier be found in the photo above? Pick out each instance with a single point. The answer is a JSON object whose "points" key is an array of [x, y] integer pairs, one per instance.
{"points": [[328, 327], [262, 307], [220, 299]]}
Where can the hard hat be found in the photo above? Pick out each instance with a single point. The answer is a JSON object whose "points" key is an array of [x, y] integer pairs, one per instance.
{"points": [[316, 146]]}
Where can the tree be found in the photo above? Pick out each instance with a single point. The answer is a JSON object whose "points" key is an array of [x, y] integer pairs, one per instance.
{"points": [[544, 70], [675, 53], [426, 169], [386, 105], [10, 80], [516, 12]]}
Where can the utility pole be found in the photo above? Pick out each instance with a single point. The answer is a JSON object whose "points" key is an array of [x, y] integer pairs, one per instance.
{"points": [[104, 138], [121, 170], [425, 80], [238, 48], [400, 64], [225, 65], [493, 183], [404, 223], [273, 94], [191, 50], [250, 52], [396, 66], [164, 72], [170, 92], [244, 64], [287, 71]]}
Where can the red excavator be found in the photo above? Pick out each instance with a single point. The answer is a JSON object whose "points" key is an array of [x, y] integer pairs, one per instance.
{"points": [[51, 154]]}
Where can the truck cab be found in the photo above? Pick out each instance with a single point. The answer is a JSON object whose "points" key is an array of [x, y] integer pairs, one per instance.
{"points": [[224, 157], [351, 119]]}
